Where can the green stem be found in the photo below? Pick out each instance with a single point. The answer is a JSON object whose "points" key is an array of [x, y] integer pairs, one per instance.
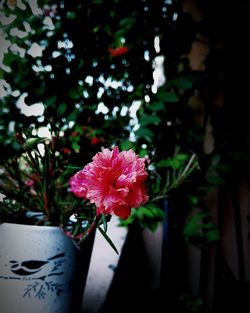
{"points": [[92, 228]]}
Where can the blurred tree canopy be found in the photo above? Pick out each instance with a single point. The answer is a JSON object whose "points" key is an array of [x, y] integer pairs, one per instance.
{"points": [[98, 73], [103, 73], [81, 70], [64, 56]]}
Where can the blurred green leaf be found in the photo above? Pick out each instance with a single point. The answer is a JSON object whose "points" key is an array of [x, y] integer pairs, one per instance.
{"points": [[71, 15], [62, 108], [182, 82], [32, 142], [72, 116], [200, 231], [145, 133], [127, 22], [51, 101], [156, 106], [149, 119], [168, 96], [148, 216], [126, 145]]}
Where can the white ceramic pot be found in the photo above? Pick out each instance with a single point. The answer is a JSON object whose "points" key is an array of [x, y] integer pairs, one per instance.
{"points": [[41, 270]]}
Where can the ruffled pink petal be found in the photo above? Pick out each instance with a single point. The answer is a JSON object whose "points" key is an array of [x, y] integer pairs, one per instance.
{"points": [[114, 181], [123, 211]]}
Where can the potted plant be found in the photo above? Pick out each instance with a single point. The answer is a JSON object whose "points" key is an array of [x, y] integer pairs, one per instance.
{"points": [[36, 192], [70, 75], [40, 264], [49, 213], [44, 196]]}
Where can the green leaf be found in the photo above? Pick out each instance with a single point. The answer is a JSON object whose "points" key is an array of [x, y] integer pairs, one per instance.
{"points": [[149, 224], [181, 157], [157, 185], [71, 15], [156, 210], [139, 90], [61, 109], [96, 29], [148, 213], [156, 106], [129, 220], [168, 96], [75, 146], [200, 231], [108, 239], [105, 226], [212, 235], [175, 162], [75, 93], [145, 133], [139, 212], [127, 22], [149, 119], [148, 216], [120, 33], [194, 200], [183, 83], [126, 145], [72, 116], [51, 101], [215, 180], [143, 152], [163, 163], [32, 142]]}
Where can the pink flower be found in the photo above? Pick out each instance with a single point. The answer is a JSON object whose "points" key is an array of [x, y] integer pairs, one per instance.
{"points": [[96, 140], [29, 182], [114, 181], [65, 150], [116, 52]]}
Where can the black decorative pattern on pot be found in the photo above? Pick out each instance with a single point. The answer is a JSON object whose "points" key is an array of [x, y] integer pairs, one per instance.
{"points": [[33, 270]]}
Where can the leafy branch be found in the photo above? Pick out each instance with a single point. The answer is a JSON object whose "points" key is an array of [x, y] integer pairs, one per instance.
{"points": [[180, 173]]}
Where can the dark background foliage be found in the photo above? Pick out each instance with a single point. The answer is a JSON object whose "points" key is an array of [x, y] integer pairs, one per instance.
{"points": [[76, 72]]}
